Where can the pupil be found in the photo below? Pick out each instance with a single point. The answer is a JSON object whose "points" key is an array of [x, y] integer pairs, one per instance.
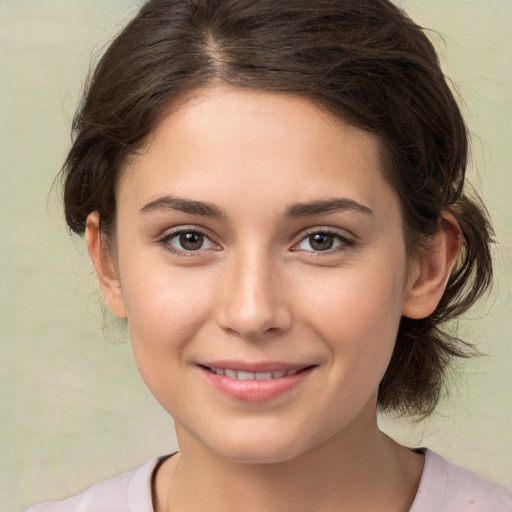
{"points": [[321, 242], [191, 241]]}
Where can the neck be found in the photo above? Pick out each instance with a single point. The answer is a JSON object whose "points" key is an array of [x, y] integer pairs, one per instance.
{"points": [[335, 476]]}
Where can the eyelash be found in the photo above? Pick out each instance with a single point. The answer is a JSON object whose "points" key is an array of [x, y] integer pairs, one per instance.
{"points": [[165, 241], [345, 242]]}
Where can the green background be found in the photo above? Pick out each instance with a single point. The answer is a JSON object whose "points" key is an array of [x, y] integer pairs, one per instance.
{"points": [[73, 408]]}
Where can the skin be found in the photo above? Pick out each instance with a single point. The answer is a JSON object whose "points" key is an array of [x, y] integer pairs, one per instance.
{"points": [[258, 289]]}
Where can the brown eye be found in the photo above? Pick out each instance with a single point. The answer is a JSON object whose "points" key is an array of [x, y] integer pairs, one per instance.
{"points": [[321, 241], [191, 241], [188, 241]]}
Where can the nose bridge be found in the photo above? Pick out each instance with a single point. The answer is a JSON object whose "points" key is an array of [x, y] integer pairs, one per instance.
{"points": [[253, 302]]}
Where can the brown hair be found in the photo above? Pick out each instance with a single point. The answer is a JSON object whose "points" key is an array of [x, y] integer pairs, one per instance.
{"points": [[363, 60]]}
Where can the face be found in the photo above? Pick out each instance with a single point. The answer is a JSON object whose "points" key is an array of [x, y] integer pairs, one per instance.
{"points": [[262, 269]]}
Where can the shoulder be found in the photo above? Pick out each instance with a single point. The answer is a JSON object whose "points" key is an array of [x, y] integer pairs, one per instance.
{"points": [[445, 487], [128, 491]]}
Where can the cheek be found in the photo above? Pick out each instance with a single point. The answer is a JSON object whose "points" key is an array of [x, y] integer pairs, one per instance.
{"points": [[357, 315], [165, 309], [165, 305]]}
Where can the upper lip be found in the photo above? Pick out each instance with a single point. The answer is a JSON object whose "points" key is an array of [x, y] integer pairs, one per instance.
{"points": [[256, 366]]}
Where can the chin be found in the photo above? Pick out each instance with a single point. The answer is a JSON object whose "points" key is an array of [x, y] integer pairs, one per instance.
{"points": [[261, 454], [261, 447]]}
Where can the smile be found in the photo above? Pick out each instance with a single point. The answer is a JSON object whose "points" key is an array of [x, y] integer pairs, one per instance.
{"points": [[243, 375], [266, 381]]}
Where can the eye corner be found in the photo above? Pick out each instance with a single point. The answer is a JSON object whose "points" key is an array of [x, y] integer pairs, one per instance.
{"points": [[198, 243], [333, 242]]}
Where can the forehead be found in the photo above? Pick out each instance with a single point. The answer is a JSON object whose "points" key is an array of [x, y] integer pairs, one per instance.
{"points": [[227, 139]]}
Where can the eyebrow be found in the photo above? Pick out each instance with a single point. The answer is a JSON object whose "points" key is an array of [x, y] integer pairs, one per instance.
{"points": [[326, 206], [183, 205], [295, 210]]}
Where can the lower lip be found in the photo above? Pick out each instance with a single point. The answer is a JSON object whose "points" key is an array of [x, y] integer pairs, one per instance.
{"points": [[255, 390]]}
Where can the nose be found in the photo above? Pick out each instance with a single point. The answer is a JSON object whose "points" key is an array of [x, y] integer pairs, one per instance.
{"points": [[253, 303]]}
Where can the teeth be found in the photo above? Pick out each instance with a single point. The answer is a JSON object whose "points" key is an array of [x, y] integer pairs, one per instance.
{"points": [[263, 376], [241, 375]]}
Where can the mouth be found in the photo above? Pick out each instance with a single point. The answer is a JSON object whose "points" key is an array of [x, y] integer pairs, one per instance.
{"points": [[245, 375], [255, 383]]}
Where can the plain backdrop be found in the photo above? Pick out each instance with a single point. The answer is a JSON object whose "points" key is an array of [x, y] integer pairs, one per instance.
{"points": [[73, 408]]}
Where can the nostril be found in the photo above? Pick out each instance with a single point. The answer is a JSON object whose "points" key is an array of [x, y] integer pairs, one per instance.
{"points": [[252, 311]]}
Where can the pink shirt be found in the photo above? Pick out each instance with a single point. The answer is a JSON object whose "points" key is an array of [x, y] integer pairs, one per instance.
{"points": [[443, 488]]}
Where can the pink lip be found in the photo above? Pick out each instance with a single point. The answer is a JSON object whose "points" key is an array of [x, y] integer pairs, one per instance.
{"points": [[255, 390], [255, 366]]}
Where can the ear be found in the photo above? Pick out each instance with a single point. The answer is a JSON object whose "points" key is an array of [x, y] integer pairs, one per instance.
{"points": [[104, 265], [431, 272]]}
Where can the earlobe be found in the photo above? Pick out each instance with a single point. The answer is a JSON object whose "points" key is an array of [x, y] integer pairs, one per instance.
{"points": [[104, 266], [432, 270]]}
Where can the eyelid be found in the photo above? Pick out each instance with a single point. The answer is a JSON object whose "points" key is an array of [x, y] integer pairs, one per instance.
{"points": [[171, 233], [348, 240]]}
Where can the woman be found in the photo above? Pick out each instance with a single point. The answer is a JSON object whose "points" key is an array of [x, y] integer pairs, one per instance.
{"points": [[273, 196]]}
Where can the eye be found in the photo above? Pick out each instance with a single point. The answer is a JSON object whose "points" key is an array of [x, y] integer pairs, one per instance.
{"points": [[321, 241], [188, 241]]}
